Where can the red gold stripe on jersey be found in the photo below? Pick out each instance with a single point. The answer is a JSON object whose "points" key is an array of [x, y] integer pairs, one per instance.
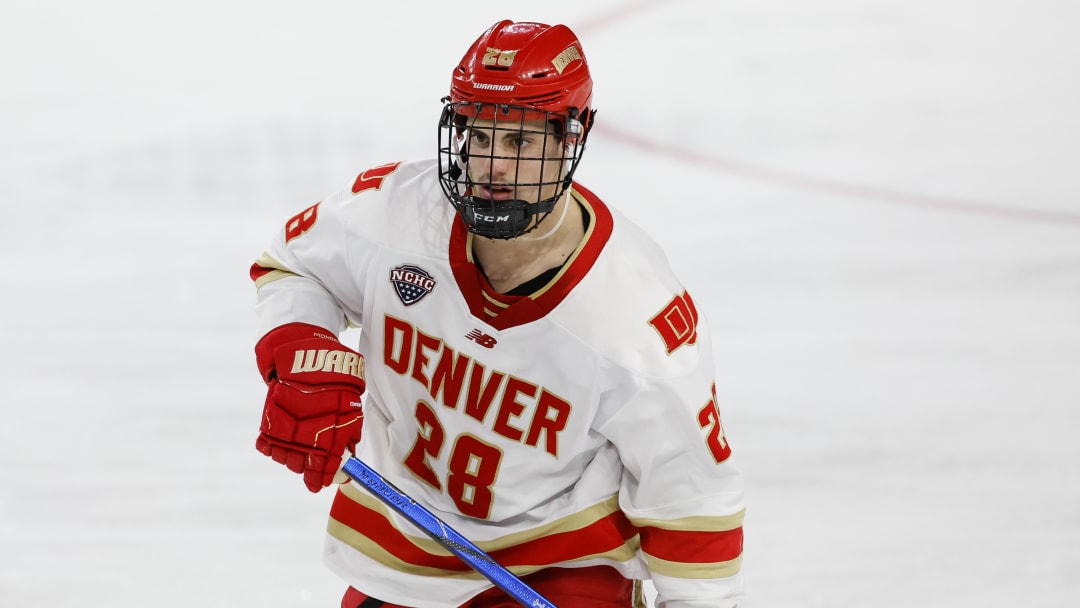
{"points": [[598, 532], [693, 547], [266, 270]]}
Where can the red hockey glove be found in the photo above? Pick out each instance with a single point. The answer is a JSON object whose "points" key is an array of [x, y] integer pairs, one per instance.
{"points": [[312, 413]]}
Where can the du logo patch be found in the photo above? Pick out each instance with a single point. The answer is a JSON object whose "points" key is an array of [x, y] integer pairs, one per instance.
{"points": [[411, 283], [677, 322]]}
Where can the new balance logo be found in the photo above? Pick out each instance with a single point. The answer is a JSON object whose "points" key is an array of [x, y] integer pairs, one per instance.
{"points": [[481, 338]]}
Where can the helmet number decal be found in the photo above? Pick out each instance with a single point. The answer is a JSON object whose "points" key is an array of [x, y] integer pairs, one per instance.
{"points": [[500, 58]]}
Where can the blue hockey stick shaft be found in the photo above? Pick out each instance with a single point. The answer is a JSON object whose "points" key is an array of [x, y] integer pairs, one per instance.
{"points": [[443, 534]]}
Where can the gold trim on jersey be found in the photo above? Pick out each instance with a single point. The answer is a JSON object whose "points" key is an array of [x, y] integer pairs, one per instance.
{"points": [[576, 521], [697, 523], [380, 554], [277, 270], [694, 570], [490, 300], [639, 594], [587, 208], [526, 309]]}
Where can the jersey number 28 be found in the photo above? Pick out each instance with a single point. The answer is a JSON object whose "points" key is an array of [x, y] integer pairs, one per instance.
{"points": [[472, 468]]}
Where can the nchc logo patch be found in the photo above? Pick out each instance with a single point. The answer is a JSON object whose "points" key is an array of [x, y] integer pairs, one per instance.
{"points": [[411, 283]]}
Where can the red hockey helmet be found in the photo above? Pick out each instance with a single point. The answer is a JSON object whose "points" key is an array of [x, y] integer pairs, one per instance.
{"points": [[528, 65], [515, 72]]}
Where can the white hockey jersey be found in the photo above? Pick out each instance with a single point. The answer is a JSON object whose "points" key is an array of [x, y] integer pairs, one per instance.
{"points": [[577, 426]]}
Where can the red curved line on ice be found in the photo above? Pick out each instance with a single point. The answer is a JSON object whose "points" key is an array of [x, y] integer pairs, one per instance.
{"points": [[802, 181]]}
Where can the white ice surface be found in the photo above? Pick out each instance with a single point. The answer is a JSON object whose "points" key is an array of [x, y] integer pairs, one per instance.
{"points": [[877, 204]]}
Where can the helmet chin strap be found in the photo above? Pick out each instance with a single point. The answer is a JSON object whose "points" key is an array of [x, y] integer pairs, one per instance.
{"points": [[553, 229], [566, 205]]}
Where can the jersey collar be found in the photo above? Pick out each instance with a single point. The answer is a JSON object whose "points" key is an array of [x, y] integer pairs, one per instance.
{"points": [[501, 311]]}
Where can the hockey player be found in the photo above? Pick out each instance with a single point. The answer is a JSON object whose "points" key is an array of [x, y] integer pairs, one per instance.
{"points": [[531, 369]]}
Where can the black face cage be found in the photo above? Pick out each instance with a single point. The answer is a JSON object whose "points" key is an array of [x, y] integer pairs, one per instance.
{"points": [[515, 216]]}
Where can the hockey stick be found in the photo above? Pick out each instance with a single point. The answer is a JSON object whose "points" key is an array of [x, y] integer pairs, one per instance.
{"points": [[443, 534]]}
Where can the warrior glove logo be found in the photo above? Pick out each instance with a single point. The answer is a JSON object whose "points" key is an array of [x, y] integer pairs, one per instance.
{"points": [[411, 283], [324, 360]]}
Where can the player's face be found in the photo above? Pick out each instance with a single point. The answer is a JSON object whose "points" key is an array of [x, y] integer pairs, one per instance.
{"points": [[513, 160]]}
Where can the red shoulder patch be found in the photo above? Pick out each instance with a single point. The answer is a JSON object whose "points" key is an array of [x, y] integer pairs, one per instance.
{"points": [[372, 179], [677, 322]]}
